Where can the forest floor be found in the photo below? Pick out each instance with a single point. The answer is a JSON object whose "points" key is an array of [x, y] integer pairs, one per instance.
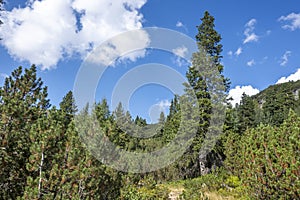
{"points": [[175, 193], [177, 188]]}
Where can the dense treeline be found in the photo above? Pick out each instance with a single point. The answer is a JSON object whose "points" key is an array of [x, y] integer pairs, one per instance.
{"points": [[42, 155]]}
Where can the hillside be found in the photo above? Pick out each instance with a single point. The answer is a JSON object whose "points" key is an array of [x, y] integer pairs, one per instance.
{"points": [[279, 89]]}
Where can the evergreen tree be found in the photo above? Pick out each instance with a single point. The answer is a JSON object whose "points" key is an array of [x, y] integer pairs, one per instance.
{"points": [[246, 114], [162, 118], [209, 39], [161, 124], [140, 121], [102, 112], [23, 101], [47, 149], [206, 68], [68, 107], [277, 105], [173, 121]]}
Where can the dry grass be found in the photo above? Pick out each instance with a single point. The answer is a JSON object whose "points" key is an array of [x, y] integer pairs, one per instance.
{"points": [[215, 196]]}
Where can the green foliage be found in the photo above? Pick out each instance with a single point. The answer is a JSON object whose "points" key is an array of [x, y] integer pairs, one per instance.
{"points": [[276, 101], [209, 86], [218, 183], [43, 155], [233, 181], [68, 108], [145, 191], [23, 101], [208, 38], [245, 113], [267, 160]]}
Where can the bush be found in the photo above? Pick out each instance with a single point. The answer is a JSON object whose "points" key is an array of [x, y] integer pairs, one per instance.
{"points": [[268, 160], [215, 185], [148, 192]]}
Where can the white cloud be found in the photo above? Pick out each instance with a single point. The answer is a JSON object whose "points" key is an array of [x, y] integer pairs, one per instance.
{"points": [[156, 109], [179, 24], [251, 38], [230, 53], [293, 18], [249, 32], [285, 58], [238, 51], [251, 23], [237, 92], [181, 53], [121, 47], [164, 105], [45, 32], [251, 63], [292, 77]]}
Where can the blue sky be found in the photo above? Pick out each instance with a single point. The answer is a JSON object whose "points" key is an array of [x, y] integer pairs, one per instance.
{"points": [[260, 41]]}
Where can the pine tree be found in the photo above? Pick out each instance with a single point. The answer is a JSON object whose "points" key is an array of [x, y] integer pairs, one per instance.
{"points": [[140, 121], [246, 113], [68, 108], [47, 149], [102, 112], [23, 101]]}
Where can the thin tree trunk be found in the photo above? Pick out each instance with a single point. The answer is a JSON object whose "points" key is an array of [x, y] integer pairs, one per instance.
{"points": [[40, 179]]}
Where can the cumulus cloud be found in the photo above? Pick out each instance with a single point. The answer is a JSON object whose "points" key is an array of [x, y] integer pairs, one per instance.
{"points": [[179, 24], [238, 51], [47, 31], [121, 47], [249, 32], [181, 53], [230, 53], [294, 20], [251, 63], [237, 92], [285, 58], [164, 105], [292, 77], [156, 109]]}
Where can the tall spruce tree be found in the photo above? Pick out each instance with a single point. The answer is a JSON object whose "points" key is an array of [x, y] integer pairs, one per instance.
{"points": [[206, 67]]}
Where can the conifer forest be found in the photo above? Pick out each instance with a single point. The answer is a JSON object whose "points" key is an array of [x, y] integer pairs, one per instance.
{"points": [[257, 156]]}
